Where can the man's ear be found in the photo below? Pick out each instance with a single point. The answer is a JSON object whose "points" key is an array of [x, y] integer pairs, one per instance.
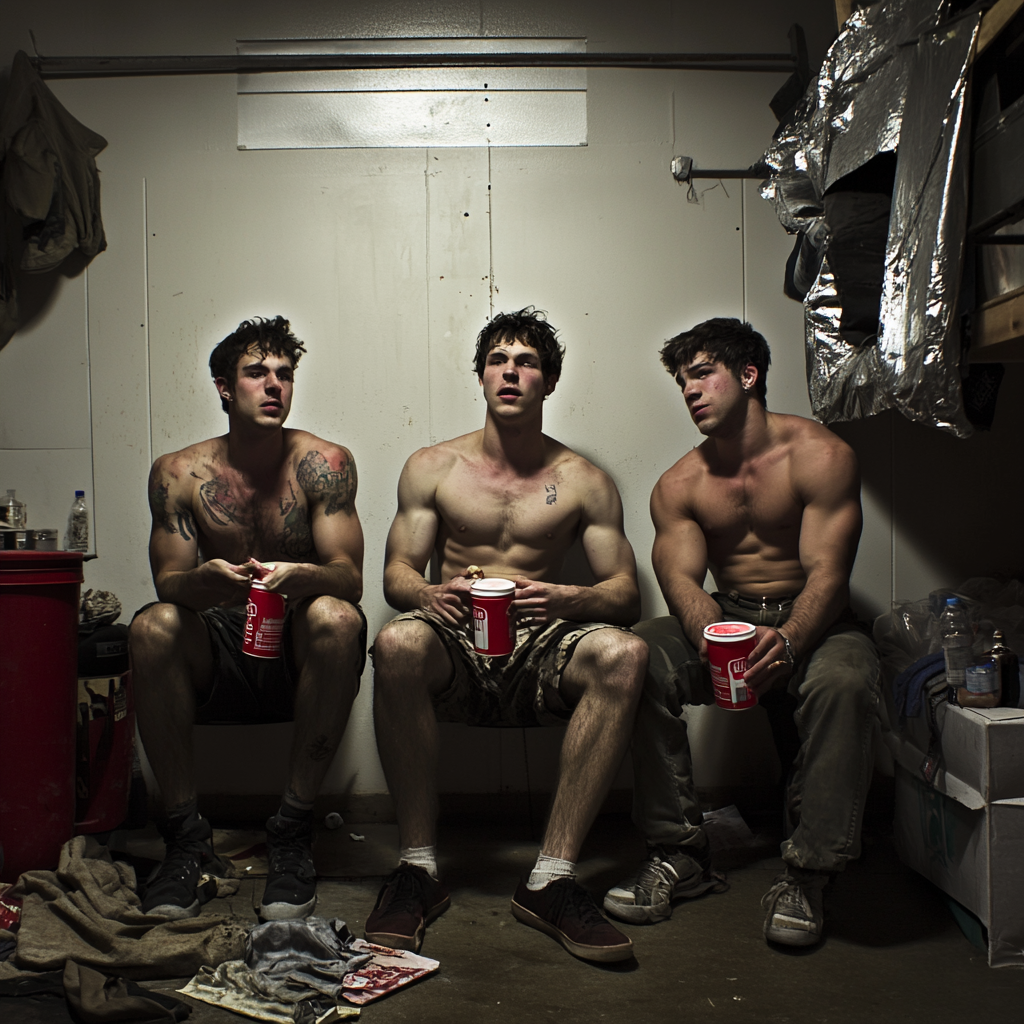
{"points": [[550, 386], [224, 388], [749, 376]]}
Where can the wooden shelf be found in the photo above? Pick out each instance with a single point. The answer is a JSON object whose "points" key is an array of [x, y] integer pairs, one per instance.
{"points": [[998, 330]]}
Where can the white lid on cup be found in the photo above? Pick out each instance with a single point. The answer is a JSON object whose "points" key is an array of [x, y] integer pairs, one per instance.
{"points": [[729, 632], [492, 588]]}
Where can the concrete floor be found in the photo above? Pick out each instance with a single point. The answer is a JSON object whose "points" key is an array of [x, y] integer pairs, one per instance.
{"points": [[893, 952]]}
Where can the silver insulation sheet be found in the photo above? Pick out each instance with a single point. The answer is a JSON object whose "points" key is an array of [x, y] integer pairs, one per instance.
{"points": [[895, 79]]}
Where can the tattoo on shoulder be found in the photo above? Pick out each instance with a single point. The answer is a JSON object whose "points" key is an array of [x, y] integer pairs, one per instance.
{"points": [[337, 487], [295, 536], [551, 495]]}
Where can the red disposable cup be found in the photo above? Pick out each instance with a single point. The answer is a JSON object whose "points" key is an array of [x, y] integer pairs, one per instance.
{"points": [[264, 622], [494, 631], [729, 643]]}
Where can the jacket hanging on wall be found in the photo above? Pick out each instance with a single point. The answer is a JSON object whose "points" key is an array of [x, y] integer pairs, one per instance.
{"points": [[49, 172]]}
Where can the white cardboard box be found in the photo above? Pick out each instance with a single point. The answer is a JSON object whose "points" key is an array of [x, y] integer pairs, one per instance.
{"points": [[966, 833]]}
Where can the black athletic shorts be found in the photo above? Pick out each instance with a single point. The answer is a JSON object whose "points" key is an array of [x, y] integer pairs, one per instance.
{"points": [[248, 690]]}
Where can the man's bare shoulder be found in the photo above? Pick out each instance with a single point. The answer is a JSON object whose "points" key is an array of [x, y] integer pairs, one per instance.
{"points": [[572, 468], [300, 443], [199, 459], [809, 439], [435, 461], [686, 474]]}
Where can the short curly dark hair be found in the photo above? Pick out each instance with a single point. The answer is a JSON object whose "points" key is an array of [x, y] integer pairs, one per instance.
{"points": [[729, 341], [268, 337], [529, 326]]}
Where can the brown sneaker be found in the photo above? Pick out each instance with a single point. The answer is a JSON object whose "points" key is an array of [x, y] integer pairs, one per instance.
{"points": [[567, 912], [407, 902]]}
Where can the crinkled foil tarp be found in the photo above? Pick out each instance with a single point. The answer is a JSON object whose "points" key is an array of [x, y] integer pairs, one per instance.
{"points": [[894, 79]]}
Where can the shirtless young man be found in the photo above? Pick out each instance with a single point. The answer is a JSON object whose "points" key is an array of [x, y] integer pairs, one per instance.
{"points": [[771, 503], [259, 494], [511, 500]]}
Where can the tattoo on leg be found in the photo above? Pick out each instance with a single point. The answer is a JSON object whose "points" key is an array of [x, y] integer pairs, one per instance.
{"points": [[319, 749], [338, 486], [551, 495]]}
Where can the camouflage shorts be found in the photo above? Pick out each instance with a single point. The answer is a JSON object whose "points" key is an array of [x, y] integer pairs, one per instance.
{"points": [[519, 689]]}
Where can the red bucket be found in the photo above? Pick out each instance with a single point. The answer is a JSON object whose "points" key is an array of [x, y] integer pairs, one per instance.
{"points": [[39, 599]]}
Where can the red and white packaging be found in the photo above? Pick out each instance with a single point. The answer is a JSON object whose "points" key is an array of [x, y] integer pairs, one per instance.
{"points": [[729, 643], [264, 622], [494, 630]]}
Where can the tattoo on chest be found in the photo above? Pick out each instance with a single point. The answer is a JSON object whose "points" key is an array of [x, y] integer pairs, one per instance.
{"points": [[219, 504], [338, 486], [295, 535], [550, 495]]}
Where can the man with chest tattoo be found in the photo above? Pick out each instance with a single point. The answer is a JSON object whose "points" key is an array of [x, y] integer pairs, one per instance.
{"points": [[512, 501], [265, 502], [771, 505]]}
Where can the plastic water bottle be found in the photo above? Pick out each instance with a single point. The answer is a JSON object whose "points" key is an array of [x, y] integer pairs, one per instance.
{"points": [[957, 637], [77, 536]]}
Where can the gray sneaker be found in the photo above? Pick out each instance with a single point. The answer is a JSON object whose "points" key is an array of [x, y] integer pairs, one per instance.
{"points": [[669, 873], [794, 906]]}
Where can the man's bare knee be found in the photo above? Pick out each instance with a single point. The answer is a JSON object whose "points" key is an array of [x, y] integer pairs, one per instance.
{"points": [[407, 653], [612, 661], [331, 620], [158, 630]]}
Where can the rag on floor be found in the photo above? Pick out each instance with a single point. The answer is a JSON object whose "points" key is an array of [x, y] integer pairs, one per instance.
{"points": [[293, 971], [93, 998], [88, 911]]}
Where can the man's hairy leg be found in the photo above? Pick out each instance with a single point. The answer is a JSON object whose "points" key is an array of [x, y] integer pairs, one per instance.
{"points": [[410, 666], [605, 678], [172, 661], [325, 633]]}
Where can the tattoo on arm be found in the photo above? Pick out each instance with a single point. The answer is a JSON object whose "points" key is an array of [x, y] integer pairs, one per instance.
{"points": [[186, 525], [551, 496], [295, 537], [337, 487], [158, 506], [319, 749]]}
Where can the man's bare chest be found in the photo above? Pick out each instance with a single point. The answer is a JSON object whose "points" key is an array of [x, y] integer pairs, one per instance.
{"points": [[762, 504], [496, 512], [265, 522]]}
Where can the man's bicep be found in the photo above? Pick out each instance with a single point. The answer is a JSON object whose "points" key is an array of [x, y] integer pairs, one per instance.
{"points": [[831, 523], [173, 542], [337, 537], [680, 551], [608, 551]]}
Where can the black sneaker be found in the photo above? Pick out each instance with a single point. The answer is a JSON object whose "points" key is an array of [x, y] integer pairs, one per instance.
{"points": [[565, 910], [794, 906], [407, 902], [174, 890], [670, 873], [291, 878]]}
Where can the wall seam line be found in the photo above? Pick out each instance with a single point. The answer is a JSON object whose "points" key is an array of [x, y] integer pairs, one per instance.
{"points": [[92, 439], [145, 307]]}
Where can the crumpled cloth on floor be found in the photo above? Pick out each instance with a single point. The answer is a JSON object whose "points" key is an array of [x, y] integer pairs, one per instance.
{"points": [[909, 686], [93, 998], [88, 911], [292, 973]]}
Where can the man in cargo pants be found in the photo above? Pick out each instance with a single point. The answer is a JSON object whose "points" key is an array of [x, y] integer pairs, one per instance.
{"points": [[771, 504]]}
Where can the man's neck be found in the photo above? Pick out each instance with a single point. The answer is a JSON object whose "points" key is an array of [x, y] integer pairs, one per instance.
{"points": [[255, 452], [520, 446], [746, 439]]}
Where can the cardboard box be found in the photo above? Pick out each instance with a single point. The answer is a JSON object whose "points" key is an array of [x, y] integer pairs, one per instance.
{"points": [[965, 833]]}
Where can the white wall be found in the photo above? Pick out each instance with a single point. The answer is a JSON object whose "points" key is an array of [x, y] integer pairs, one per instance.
{"points": [[371, 255]]}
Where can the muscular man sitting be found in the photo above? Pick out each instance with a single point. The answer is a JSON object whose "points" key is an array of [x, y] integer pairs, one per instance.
{"points": [[511, 500], [221, 509], [771, 503]]}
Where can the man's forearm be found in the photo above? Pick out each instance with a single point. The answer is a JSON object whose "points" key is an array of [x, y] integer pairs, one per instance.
{"points": [[695, 608], [190, 589], [823, 598], [403, 587], [615, 601], [336, 579]]}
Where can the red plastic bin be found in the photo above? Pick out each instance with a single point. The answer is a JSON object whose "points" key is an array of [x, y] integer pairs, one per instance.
{"points": [[39, 602]]}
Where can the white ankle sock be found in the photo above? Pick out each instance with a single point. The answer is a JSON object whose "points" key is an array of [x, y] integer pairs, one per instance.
{"points": [[422, 856], [548, 869]]}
